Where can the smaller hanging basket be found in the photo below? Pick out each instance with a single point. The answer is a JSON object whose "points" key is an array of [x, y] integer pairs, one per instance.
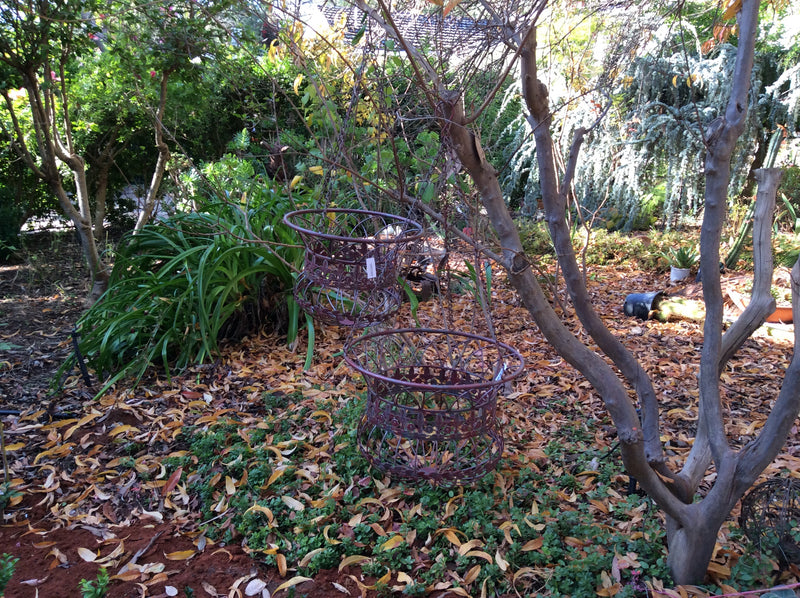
{"points": [[432, 401], [345, 307], [352, 249]]}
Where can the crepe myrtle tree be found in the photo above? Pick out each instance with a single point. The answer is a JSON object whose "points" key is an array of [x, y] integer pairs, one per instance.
{"points": [[38, 42], [693, 518], [68, 122]]}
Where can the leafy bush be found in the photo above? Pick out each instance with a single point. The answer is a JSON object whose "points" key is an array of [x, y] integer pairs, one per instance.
{"points": [[97, 588], [22, 195], [180, 286], [7, 565]]}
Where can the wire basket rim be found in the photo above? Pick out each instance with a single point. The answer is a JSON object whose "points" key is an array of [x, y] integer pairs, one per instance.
{"points": [[514, 372], [402, 239]]}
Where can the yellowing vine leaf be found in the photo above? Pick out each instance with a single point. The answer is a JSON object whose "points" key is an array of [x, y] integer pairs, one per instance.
{"points": [[296, 85], [734, 6]]}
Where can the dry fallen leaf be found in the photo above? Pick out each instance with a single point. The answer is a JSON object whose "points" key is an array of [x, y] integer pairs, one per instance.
{"points": [[255, 587], [297, 579], [180, 555]]}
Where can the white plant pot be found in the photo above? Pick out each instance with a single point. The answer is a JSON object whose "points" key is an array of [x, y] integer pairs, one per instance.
{"points": [[677, 274]]}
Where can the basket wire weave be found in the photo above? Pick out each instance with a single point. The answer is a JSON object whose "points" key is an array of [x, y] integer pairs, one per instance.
{"points": [[770, 518], [351, 264], [352, 249], [432, 401]]}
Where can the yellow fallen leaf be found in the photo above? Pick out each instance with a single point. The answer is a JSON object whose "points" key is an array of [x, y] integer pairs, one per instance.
{"points": [[501, 562], [86, 554], [612, 590], [467, 546], [262, 509], [324, 415], [472, 574], [122, 429], [392, 542], [523, 572], [316, 170], [309, 556], [297, 579], [328, 539], [353, 559], [230, 485], [83, 421], [280, 560], [451, 536], [719, 570], [293, 503], [15, 447], [481, 555], [129, 575]]}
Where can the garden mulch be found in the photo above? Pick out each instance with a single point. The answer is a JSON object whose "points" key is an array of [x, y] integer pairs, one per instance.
{"points": [[76, 508]]}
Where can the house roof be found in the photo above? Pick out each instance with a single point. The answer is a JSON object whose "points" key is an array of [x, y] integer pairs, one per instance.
{"points": [[452, 33]]}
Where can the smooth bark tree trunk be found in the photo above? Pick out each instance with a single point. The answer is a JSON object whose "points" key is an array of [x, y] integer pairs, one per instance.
{"points": [[51, 149], [163, 158]]}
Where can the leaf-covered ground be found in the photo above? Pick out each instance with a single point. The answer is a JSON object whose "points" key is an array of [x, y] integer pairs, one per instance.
{"points": [[170, 486]]}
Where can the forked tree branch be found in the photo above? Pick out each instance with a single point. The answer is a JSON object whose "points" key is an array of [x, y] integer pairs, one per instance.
{"points": [[761, 302]]}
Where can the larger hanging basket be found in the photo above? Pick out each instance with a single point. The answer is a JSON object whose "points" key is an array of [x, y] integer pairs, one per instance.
{"points": [[432, 401], [354, 250]]}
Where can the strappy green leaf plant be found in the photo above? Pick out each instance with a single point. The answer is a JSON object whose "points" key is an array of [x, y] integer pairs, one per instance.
{"points": [[182, 285]]}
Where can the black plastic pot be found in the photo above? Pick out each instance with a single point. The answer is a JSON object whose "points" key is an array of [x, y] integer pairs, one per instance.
{"points": [[641, 305]]}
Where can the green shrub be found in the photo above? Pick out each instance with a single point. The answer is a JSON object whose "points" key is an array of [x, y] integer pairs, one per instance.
{"points": [[7, 565], [95, 589], [180, 286]]}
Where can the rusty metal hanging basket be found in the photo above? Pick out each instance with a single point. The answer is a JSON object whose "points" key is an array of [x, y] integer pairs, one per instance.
{"points": [[770, 518], [345, 307], [432, 401], [352, 249]]}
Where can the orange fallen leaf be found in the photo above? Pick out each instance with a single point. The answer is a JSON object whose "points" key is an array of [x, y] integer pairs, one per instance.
{"points": [[180, 555]]}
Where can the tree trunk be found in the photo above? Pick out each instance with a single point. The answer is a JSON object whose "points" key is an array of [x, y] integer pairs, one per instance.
{"points": [[50, 150], [83, 226], [690, 550], [163, 158]]}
